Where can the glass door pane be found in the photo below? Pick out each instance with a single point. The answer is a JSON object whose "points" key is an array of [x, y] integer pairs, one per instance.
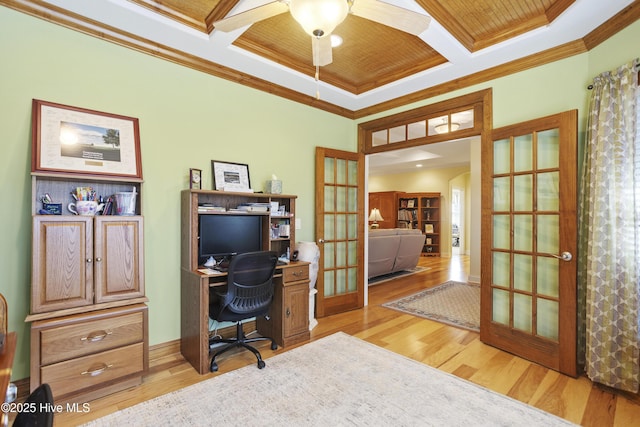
{"points": [[338, 231], [525, 233]]}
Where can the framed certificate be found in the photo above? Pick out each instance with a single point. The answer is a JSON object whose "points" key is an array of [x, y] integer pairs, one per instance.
{"points": [[76, 140]]}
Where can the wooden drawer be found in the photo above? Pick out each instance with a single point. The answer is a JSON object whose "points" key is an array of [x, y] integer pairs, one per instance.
{"points": [[86, 335], [295, 273], [90, 371]]}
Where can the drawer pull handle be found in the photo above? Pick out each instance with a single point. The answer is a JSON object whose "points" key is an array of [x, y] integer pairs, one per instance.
{"points": [[96, 371], [96, 336], [297, 273]]}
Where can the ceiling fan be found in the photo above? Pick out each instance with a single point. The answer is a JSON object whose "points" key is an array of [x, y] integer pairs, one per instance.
{"points": [[319, 18]]}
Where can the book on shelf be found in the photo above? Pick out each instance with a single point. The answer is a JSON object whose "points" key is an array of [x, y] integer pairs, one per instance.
{"points": [[254, 207], [210, 208]]}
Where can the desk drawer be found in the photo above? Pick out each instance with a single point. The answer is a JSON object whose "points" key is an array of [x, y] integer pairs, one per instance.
{"points": [[89, 371], [87, 335], [295, 274]]}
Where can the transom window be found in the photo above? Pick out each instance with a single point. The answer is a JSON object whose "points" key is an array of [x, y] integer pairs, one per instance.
{"points": [[432, 127]]}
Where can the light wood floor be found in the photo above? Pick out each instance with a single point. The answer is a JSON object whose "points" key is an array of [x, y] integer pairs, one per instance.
{"points": [[449, 349]]}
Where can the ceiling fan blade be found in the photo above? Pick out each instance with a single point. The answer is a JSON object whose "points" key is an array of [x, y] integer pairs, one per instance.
{"points": [[322, 52], [251, 16], [391, 16]]}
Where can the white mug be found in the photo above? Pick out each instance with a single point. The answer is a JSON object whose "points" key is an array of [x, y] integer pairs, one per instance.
{"points": [[85, 207]]}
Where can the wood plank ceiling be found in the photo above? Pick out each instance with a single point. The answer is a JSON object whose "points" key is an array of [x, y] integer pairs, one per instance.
{"points": [[372, 54]]}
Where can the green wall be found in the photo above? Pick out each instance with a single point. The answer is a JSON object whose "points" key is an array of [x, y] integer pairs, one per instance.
{"points": [[188, 118]]}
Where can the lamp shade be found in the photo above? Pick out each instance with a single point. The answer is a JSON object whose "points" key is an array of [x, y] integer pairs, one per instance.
{"points": [[319, 17], [375, 215]]}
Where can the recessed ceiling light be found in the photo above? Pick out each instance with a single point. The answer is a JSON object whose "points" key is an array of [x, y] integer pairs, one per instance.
{"points": [[419, 165], [336, 40]]}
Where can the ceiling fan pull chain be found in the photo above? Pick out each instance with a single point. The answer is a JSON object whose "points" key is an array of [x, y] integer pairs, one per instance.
{"points": [[317, 82]]}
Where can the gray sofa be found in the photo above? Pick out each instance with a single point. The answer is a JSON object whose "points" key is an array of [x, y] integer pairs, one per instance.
{"points": [[392, 250]]}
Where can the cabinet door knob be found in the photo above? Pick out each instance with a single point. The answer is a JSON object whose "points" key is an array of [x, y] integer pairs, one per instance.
{"points": [[98, 259], [288, 312], [89, 260]]}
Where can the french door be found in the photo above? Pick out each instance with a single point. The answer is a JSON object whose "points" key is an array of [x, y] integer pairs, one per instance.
{"points": [[529, 241], [339, 230]]}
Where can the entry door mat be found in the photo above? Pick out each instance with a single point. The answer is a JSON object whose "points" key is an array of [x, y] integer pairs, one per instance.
{"points": [[453, 303]]}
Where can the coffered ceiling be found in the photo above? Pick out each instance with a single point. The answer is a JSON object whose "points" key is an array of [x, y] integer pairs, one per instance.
{"points": [[377, 67]]}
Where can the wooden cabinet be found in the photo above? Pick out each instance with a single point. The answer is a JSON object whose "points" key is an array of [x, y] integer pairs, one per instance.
{"points": [[89, 331], [80, 355], [386, 202], [288, 321], [80, 261], [195, 203]]}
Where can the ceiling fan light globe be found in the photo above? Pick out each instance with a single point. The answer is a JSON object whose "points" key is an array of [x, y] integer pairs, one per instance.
{"points": [[319, 17]]}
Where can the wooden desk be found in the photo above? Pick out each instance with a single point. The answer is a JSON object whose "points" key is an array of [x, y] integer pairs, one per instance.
{"points": [[289, 312]]}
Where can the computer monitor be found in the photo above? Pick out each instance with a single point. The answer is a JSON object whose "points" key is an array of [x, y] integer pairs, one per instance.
{"points": [[223, 235]]}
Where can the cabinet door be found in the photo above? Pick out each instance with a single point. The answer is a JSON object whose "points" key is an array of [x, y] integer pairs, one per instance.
{"points": [[62, 262], [119, 272], [296, 309]]}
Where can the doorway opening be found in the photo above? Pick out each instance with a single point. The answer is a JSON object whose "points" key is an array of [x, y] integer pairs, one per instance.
{"points": [[457, 221]]}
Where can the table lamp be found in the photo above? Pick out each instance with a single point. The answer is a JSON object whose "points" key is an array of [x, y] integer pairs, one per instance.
{"points": [[375, 217]]}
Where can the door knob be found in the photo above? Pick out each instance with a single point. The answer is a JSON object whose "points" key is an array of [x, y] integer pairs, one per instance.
{"points": [[320, 240], [565, 256]]}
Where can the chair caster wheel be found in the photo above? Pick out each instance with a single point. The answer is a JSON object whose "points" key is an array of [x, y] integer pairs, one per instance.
{"points": [[274, 346], [261, 364], [213, 367]]}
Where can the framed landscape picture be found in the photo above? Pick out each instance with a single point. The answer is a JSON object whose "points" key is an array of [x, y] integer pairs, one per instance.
{"points": [[70, 139]]}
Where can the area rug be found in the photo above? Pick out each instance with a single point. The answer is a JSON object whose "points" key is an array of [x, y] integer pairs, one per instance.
{"points": [[453, 303], [338, 380], [386, 277]]}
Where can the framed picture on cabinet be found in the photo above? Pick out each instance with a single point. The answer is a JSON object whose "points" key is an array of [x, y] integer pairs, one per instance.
{"points": [[70, 139], [229, 176], [428, 228]]}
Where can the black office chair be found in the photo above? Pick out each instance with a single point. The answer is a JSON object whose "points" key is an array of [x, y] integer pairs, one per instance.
{"points": [[38, 409], [248, 294]]}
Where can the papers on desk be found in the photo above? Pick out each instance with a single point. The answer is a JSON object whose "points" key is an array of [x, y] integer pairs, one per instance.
{"points": [[209, 271]]}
